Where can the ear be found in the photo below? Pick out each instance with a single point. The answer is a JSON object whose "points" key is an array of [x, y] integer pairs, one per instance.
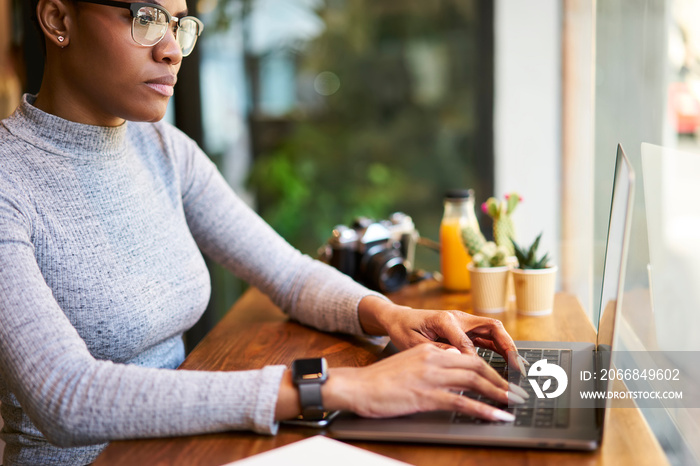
{"points": [[55, 19]]}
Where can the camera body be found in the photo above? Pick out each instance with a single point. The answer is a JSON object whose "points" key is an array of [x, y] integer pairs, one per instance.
{"points": [[378, 254]]}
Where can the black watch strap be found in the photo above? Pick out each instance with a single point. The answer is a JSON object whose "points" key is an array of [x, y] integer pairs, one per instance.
{"points": [[311, 401], [309, 375]]}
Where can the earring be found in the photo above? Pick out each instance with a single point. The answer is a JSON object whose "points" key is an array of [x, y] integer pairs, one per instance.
{"points": [[61, 38]]}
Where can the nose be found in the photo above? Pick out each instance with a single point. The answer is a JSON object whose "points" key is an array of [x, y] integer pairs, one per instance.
{"points": [[168, 49]]}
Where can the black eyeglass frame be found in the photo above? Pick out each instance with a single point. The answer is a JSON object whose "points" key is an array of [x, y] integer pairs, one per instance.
{"points": [[134, 9]]}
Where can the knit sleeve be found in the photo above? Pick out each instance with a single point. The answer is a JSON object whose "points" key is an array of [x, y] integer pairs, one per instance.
{"points": [[75, 399], [229, 232]]}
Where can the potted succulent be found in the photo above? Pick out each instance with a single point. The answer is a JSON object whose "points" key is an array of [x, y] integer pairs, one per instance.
{"points": [[534, 279], [488, 273]]}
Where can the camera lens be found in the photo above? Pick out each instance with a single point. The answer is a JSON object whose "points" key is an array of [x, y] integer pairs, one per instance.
{"points": [[384, 269]]}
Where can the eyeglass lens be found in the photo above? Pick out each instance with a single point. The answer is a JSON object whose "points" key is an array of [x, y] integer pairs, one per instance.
{"points": [[151, 24]]}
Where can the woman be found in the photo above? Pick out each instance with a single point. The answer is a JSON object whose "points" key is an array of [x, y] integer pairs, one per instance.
{"points": [[103, 213]]}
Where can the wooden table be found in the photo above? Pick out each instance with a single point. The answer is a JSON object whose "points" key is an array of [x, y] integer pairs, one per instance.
{"points": [[255, 333]]}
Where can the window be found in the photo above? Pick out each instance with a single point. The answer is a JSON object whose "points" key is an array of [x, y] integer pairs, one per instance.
{"points": [[350, 108], [645, 93]]}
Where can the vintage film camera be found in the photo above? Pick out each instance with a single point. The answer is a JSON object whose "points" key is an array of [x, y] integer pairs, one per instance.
{"points": [[378, 254]]}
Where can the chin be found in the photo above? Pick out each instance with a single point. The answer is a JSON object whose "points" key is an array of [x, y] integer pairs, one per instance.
{"points": [[156, 118], [150, 115]]}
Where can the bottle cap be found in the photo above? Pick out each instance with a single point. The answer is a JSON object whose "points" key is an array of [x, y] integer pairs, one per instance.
{"points": [[459, 194]]}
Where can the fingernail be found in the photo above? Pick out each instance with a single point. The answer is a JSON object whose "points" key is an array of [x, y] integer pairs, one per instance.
{"points": [[527, 363], [521, 366], [453, 350], [515, 398], [519, 390], [498, 415]]}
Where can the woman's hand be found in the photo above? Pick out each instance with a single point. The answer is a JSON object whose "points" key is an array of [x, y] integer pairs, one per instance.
{"points": [[439, 362], [423, 378], [409, 327]]}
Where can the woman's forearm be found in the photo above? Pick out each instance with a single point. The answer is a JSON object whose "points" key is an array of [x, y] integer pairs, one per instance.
{"points": [[375, 314]]}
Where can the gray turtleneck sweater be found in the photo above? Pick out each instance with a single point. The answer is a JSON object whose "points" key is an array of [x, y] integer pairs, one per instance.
{"points": [[101, 273]]}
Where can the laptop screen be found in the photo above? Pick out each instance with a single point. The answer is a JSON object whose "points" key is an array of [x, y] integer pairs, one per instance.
{"points": [[616, 246], [619, 226]]}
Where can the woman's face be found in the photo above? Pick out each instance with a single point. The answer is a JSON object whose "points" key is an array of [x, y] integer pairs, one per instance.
{"points": [[111, 78]]}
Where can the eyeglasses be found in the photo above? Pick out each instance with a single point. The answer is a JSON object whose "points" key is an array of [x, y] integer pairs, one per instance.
{"points": [[150, 24]]}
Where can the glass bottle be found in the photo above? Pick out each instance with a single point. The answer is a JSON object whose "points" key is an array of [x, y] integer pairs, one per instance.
{"points": [[454, 257]]}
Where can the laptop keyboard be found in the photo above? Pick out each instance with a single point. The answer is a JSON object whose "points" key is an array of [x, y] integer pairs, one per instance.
{"points": [[546, 413]]}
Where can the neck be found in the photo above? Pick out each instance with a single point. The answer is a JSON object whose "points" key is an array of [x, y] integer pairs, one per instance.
{"points": [[58, 97]]}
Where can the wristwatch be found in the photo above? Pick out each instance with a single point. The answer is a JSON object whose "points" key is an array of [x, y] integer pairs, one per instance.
{"points": [[308, 376]]}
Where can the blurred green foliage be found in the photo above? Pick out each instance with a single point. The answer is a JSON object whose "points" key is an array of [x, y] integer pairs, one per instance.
{"points": [[402, 128]]}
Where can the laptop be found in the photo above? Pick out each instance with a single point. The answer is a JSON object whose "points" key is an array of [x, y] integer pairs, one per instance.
{"points": [[554, 416]]}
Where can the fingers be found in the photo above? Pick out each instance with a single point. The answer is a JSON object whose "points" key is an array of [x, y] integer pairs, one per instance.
{"points": [[505, 349], [449, 326], [475, 382], [450, 369], [460, 372], [514, 359], [486, 344], [473, 366], [489, 384], [463, 331], [456, 329], [424, 378], [492, 330], [471, 350], [454, 402]]}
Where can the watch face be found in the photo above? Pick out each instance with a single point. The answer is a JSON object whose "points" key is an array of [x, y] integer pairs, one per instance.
{"points": [[309, 370]]}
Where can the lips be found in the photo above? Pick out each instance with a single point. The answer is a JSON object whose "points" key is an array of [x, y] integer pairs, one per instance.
{"points": [[163, 85]]}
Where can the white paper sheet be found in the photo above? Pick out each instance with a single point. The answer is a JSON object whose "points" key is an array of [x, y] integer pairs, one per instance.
{"points": [[318, 451]]}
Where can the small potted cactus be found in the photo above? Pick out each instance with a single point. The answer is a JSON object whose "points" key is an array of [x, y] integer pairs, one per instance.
{"points": [[534, 280], [488, 273], [500, 212]]}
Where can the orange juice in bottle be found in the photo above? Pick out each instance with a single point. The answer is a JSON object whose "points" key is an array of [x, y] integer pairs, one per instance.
{"points": [[454, 257]]}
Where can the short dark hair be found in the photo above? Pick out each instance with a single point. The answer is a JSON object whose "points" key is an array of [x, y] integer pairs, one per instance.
{"points": [[35, 21], [32, 12]]}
